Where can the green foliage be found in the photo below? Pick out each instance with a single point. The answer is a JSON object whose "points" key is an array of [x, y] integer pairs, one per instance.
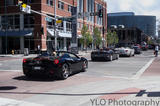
{"points": [[86, 37], [97, 37], [112, 38], [150, 42]]}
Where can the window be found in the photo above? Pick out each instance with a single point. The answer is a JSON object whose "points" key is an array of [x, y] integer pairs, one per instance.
{"points": [[13, 22], [68, 26], [50, 2], [10, 2], [69, 8], [28, 1], [78, 25], [73, 56], [60, 5], [28, 21]]}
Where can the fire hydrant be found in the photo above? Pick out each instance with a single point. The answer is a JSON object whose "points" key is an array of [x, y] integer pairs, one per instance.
{"points": [[12, 52]]}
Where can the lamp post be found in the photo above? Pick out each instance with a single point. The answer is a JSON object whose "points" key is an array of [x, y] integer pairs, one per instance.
{"points": [[6, 24], [55, 34]]}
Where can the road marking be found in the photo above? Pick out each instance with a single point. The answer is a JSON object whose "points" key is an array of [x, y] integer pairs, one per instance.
{"points": [[110, 76], [142, 70], [12, 70], [12, 102]]}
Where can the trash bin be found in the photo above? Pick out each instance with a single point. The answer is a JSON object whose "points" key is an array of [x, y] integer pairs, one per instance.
{"points": [[26, 51]]}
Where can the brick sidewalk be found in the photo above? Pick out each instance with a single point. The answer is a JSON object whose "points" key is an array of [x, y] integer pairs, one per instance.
{"points": [[154, 69]]}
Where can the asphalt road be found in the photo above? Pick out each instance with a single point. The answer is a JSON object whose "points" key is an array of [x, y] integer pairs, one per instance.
{"points": [[100, 80]]}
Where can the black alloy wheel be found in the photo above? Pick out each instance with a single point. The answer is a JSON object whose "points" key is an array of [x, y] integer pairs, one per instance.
{"points": [[84, 66], [65, 71]]}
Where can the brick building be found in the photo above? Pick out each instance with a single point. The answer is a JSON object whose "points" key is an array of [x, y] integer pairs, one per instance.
{"points": [[19, 30]]}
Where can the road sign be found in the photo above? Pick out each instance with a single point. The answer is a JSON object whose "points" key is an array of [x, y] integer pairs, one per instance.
{"points": [[26, 8], [58, 21], [94, 14], [48, 19]]}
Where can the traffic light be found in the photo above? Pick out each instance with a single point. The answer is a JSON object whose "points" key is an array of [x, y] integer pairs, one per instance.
{"points": [[100, 13]]}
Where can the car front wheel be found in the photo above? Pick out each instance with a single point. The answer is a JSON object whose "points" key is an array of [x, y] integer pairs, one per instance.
{"points": [[84, 66]]}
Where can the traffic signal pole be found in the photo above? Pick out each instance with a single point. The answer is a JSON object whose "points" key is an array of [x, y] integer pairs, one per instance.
{"points": [[55, 34]]}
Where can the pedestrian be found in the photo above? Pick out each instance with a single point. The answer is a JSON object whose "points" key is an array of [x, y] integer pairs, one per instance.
{"points": [[39, 49], [156, 50], [54, 52]]}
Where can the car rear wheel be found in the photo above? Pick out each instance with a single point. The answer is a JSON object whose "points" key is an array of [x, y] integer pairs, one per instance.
{"points": [[84, 66], [65, 71], [26, 73]]}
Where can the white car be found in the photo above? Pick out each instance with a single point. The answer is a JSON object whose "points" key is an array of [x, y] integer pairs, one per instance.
{"points": [[125, 51]]}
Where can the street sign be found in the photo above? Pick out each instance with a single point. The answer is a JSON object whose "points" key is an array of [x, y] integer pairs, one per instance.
{"points": [[25, 8], [48, 19], [58, 21], [94, 14]]}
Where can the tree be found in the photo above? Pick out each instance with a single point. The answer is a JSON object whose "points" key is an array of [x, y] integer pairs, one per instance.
{"points": [[97, 37], [86, 37], [112, 38], [115, 37]]}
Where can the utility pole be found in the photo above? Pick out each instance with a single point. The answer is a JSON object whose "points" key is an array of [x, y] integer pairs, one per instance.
{"points": [[6, 24], [55, 34]]}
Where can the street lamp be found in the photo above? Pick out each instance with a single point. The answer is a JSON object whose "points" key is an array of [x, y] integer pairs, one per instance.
{"points": [[55, 36], [6, 23]]}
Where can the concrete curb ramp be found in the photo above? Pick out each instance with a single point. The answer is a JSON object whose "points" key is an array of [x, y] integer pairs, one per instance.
{"points": [[12, 102]]}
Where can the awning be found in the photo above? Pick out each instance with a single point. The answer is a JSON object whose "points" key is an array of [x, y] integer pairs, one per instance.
{"points": [[16, 33], [62, 34]]}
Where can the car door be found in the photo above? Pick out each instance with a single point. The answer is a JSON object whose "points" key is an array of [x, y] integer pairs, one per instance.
{"points": [[77, 62], [69, 60]]}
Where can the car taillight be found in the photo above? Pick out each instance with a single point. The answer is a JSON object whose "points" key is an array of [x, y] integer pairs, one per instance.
{"points": [[56, 61], [24, 60], [126, 50]]}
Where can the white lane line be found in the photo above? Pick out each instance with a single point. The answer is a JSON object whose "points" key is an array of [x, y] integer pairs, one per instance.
{"points": [[12, 102], [12, 70], [142, 70], [119, 77]]}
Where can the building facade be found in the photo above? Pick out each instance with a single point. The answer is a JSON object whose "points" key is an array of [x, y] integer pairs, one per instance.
{"points": [[147, 24], [19, 30]]}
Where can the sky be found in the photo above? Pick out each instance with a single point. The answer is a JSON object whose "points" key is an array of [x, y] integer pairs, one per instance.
{"points": [[139, 7]]}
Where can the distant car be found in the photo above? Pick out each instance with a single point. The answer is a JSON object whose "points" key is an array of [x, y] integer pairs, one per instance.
{"points": [[61, 64], [125, 51], [137, 49], [105, 54], [144, 47]]}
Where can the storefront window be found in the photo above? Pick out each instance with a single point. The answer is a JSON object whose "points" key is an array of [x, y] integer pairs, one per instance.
{"points": [[28, 21]]}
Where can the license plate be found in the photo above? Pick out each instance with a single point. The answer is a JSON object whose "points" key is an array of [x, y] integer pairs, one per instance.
{"points": [[37, 68]]}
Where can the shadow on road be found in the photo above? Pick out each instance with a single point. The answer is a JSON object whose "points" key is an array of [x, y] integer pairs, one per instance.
{"points": [[7, 87], [42, 79]]}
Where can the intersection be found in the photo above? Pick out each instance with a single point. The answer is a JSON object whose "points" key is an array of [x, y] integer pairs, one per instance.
{"points": [[122, 79]]}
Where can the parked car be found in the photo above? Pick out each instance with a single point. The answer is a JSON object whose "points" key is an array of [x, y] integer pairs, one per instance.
{"points": [[137, 49], [104, 54], [125, 51], [144, 47], [61, 64]]}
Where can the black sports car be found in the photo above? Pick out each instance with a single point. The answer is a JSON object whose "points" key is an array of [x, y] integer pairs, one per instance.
{"points": [[137, 49], [105, 54], [61, 64]]}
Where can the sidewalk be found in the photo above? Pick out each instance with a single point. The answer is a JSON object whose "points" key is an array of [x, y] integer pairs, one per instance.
{"points": [[81, 53]]}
